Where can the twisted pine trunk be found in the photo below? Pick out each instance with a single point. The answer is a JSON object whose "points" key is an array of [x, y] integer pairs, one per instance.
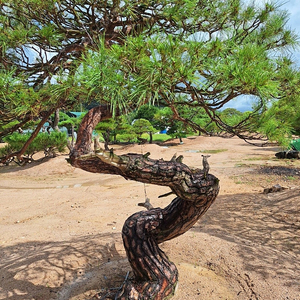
{"points": [[155, 277]]}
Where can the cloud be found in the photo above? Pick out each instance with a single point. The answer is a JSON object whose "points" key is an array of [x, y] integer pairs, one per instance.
{"points": [[242, 103]]}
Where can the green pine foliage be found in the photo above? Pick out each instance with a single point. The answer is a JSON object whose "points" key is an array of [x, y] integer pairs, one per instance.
{"points": [[183, 54], [141, 126]]}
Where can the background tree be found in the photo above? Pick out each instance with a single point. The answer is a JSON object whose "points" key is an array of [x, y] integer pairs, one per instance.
{"points": [[71, 123], [191, 118], [141, 126], [147, 112], [106, 129], [231, 114]]}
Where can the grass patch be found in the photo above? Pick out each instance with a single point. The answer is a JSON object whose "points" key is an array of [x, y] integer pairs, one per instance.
{"points": [[259, 158], [125, 138], [213, 151], [157, 137], [161, 137]]}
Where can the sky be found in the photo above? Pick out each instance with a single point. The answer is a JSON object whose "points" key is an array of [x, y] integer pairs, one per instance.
{"points": [[293, 7]]}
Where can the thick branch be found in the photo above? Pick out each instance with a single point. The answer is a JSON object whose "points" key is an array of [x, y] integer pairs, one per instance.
{"points": [[183, 181], [84, 134]]}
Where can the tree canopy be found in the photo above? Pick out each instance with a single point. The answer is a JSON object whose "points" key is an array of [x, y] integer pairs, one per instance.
{"points": [[197, 54]]}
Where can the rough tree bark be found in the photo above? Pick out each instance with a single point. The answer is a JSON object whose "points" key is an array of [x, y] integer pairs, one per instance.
{"points": [[155, 277], [56, 120], [85, 131]]}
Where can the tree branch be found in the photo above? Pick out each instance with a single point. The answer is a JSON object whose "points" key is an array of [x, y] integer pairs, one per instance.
{"points": [[184, 182]]}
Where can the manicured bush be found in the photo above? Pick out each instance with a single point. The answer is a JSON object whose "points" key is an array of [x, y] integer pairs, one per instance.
{"points": [[49, 143]]}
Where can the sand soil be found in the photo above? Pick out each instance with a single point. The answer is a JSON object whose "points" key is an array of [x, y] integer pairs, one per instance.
{"points": [[61, 227]]}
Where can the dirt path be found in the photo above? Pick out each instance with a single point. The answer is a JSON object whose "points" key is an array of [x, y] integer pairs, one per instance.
{"points": [[60, 227]]}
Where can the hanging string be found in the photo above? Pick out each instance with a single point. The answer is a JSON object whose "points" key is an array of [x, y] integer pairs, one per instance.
{"points": [[147, 203], [145, 190]]}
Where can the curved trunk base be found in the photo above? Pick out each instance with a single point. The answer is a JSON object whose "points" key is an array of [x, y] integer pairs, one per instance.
{"points": [[155, 277]]}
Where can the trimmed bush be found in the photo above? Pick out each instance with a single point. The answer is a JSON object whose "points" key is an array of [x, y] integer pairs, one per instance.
{"points": [[49, 143]]}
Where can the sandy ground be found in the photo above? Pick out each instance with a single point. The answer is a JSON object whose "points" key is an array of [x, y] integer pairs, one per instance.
{"points": [[61, 227]]}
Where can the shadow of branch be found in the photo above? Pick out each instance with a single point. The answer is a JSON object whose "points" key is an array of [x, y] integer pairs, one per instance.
{"points": [[61, 269], [265, 227]]}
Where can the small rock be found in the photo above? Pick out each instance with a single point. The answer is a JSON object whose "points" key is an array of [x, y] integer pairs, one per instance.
{"points": [[275, 188]]}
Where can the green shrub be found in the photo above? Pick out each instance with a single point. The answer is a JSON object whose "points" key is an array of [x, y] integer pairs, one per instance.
{"points": [[16, 141], [49, 143], [7, 149]]}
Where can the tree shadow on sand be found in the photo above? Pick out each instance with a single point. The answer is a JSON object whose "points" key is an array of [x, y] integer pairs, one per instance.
{"points": [[63, 269], [266, 229]]}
